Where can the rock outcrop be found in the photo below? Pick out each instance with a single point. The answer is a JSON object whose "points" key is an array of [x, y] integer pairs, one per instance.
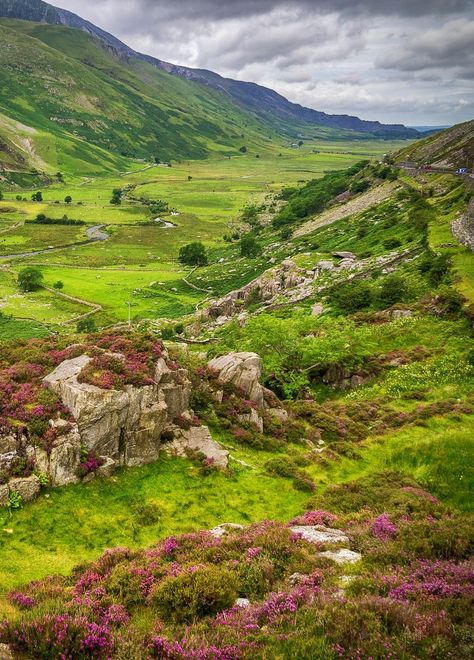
{"points": [[118, 427], [243, 371], [197, 439], [125, 425]]}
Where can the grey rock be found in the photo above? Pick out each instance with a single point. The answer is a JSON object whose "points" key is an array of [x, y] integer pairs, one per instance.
{"points": [[5, 652], [4, 494], [198, 438], [344, 255], [124, 425], [320, 534], [27, 487], [401, 313], [242, 602], [243, 370], [317, 309], [252, 418], [342, 556], [60, 465], [325, 265], [224, 528]]}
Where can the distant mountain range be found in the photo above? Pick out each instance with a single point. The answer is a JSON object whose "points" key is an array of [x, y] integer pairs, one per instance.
{"points": [[264, 103]]}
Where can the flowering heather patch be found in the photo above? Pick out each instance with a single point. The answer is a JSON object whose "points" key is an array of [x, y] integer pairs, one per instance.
{"points": [[383, 528], [188, 588], [26, 402], [90, 462], [315, 518]]}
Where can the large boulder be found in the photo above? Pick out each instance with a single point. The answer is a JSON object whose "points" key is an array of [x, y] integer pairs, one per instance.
{"points": [[4, 494], [61, 462], [243, 370], [125, 425], [27, 487], [198, 439]]}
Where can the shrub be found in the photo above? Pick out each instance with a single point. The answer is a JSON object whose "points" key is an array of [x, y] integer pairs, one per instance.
{"points": [[353, 297], [86, 325], [391, 243], [196, 593], [394, 289], [249, 246]]}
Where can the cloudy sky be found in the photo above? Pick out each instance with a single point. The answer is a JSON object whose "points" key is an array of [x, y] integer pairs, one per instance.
{"points": [[408, 61]]}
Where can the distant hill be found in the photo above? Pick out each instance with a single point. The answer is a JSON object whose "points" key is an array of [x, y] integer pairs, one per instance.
{"points": [[263, 102], [453, 147]]}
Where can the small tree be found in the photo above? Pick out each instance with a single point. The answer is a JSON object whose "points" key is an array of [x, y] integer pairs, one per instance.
{"points": [[68, 199], [243, 150], [116, 196], [249, 246], [86, 325], [30, 279], [37, 196], [193, 254], [58, 285]]}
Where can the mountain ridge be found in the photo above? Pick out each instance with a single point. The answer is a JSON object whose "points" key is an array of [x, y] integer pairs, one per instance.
{"points": [[262, 101]]}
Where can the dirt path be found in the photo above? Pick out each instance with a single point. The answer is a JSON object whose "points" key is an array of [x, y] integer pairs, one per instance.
{"points": [[356, 205]]}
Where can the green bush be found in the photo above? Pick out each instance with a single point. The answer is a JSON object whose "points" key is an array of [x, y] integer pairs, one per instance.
{"points": [[86, 325], [353, 297], [196, 594], [249, 246], [394, 290], [30, 279]]}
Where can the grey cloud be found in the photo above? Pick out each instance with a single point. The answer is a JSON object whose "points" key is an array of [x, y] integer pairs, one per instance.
{"points": [[449, 46]]}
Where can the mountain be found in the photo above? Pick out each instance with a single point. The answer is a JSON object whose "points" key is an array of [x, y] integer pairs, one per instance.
{"points": [[71, 103], [265, 103], [453, 147]]}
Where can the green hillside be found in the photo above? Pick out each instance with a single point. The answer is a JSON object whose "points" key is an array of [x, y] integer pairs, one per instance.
{"points": [[84, 104], [453, 147]]}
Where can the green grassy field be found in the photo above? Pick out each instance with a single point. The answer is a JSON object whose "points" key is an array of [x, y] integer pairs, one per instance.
{"points": [[138, 262]]}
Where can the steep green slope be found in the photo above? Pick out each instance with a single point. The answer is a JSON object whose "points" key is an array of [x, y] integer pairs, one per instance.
{"points": [[63, 83], [453, 147]]}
